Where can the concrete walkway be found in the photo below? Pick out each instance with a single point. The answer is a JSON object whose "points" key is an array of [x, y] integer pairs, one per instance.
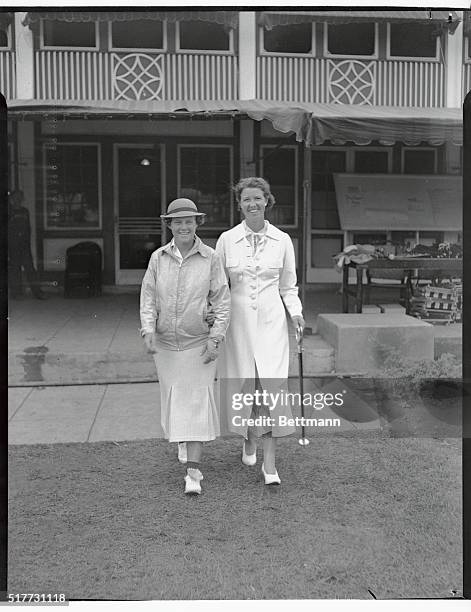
{"points": [[96, 340], [78, 370], [117, 412]]}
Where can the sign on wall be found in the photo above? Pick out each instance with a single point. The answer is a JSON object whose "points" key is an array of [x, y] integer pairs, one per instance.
{"points": [[399, 202]]}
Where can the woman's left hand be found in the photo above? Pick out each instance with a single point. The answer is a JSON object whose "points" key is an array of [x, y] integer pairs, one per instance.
{"points": [[210, 351], [298, 321]]}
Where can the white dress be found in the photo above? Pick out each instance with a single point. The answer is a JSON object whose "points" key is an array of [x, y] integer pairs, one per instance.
{"points": [[263, 284]]}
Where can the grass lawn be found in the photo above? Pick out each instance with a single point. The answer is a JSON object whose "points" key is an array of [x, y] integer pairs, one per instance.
{"points": [[105, 521]]}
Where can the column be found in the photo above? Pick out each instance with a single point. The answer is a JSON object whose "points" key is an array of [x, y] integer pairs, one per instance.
{"points": [[454, 65], [26, 175], [247, 55], [24, 59]]}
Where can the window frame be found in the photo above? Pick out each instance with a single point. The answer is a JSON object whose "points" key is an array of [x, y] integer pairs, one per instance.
{"points": [[385, 149], [349, 169], [45, 47], [229, 146], [328, 54], [230, 51], [348, 164], [296, 177], [406, 58], [76, 228], [139, 49], [424, 148], [467, 48], [262, 52], [9, 37]]}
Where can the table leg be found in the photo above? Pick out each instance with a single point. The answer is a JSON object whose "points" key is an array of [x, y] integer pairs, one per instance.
{"points": [[359, 295], [345, 289]]}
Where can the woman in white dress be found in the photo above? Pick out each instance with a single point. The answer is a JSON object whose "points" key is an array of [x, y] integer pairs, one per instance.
{"points": [[260, 265], [185, 279]]}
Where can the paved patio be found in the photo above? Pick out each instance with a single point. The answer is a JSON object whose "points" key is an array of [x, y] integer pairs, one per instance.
{"points": [[102, 334]]}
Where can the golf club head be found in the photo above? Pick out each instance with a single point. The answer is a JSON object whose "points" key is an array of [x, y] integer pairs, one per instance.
{"points": [[303, 441]]}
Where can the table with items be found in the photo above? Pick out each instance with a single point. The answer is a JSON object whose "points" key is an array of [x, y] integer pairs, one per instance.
{"points": [[432, 285]]}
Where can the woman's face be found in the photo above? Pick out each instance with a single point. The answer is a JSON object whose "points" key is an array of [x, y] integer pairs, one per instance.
{"points": [[252, 203], [183, 230]]}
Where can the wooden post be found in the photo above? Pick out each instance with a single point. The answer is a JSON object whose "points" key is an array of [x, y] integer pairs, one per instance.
{"points": [[304, 217]]}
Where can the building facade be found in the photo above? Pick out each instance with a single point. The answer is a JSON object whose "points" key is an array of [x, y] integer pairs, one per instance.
{"points": [[114, 114]]}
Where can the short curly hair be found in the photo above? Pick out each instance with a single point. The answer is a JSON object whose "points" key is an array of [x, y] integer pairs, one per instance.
{"points": [[255, 182], [199, 220]]}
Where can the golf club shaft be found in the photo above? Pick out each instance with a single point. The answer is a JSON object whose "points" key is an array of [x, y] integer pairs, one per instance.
{"points": [[301, 391]]}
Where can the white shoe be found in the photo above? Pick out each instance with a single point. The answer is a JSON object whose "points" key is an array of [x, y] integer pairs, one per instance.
{"points": [[270, 479], [248, 459], [192, 483], [182, 456]]}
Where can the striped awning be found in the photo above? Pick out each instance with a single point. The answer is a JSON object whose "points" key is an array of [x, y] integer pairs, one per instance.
{"points": [[270, 19], [312, 123], [225, 18]]}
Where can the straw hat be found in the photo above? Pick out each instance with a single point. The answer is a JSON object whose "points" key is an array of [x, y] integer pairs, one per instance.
{"points": [[182, 207]]}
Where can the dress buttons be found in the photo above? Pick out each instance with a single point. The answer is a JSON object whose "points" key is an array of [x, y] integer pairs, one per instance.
{"points": [[254, 306]]}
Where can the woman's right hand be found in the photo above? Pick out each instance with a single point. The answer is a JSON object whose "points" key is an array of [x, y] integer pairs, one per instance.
{"points": [[149, 341]]}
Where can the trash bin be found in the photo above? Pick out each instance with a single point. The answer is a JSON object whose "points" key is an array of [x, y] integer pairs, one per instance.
{"points": [[83, 269]]}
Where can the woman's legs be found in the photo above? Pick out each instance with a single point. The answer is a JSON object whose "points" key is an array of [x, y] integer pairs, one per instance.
{"points": [[193, 473], [194, 450], [269, 447], [251, 441]]}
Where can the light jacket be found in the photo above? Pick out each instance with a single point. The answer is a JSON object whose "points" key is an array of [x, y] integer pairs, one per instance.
{"points": [[176, 297]]}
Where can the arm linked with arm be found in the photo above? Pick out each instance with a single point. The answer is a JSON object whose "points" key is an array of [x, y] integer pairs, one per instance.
{"points": [[219, 299], [148, 307]]}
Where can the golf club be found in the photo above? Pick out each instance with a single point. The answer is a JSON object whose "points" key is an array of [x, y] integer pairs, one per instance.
{"points": [[303, 441]]}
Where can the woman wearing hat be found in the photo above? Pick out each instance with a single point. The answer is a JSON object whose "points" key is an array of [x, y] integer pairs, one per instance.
{"points": [[260, 264], [183, 280]]}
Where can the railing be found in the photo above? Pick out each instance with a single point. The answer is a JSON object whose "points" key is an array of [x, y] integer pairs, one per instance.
{"points": [[466, 79], [378, 82], [93, 75], [7, 74]]}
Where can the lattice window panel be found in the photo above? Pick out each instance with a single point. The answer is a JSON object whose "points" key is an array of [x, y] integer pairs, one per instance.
{"points": [[137, 76], [352, 82]]}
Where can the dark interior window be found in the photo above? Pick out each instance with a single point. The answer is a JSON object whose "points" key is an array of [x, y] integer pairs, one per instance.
{"points": [[417, 161], [323, 199], [413, 40], [205, 177], [141, 34], [289, 39], [72, 185], [279, 168], [63, 34], [202, 36], [351, 38], [3, 37], [371, 162]]}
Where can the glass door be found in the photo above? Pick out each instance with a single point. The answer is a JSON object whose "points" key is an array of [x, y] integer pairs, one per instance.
{"points": [[139, 193]]}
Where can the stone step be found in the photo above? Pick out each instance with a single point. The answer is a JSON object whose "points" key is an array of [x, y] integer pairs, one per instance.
{"points": [[40, 365]]}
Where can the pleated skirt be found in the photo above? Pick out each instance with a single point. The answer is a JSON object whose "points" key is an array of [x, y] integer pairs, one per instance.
{"points": [[188, 407]]}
